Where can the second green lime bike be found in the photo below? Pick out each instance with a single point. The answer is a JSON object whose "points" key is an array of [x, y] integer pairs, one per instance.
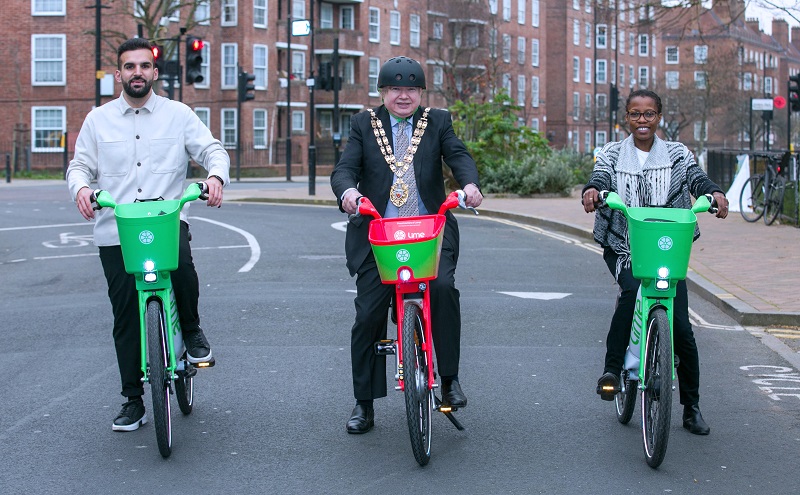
{"points": [[149, 237]]}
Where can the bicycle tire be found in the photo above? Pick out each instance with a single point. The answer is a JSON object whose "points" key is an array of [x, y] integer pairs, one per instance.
{"points": [[657, 391], [625, 400], [157, 363], [774, 200], [751, 199], [418, 395], [184, 390]]}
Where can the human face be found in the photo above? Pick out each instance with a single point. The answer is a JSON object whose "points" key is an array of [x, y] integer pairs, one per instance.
{"points": [[642, 130], [401, 102], [136, 73]]}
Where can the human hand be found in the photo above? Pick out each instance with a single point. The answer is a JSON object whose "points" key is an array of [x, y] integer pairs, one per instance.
{"points": [[214, 192], [473, 197], [722, 204], [349, 204], [590, 198], [84, 202]]}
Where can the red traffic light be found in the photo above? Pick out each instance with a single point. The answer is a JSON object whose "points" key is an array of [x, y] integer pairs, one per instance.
{"points": [[156, 51], [196, 44], [779, 102]]}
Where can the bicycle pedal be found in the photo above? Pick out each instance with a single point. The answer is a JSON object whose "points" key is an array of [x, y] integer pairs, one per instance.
{"points": [[385, 348], [188, 372], [205, 364]]}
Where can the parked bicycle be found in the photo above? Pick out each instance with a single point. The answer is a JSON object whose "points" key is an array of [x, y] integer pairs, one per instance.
{"points": [[660, 242], [762, 194], [407, 251], [148, 232]]}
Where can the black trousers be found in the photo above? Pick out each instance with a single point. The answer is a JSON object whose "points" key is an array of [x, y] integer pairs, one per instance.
{"points": [[372, 308], [619, 334], [125, 306]]}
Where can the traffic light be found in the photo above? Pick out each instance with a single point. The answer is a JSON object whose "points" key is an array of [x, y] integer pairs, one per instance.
{"points": [[159, 60], [194, 60], [794, 92], [246, 86], [325, 81], [614, 98]]}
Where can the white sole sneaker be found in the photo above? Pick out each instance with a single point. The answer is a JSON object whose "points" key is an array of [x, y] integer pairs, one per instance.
{"points": [[195, 360], [131, 427]]}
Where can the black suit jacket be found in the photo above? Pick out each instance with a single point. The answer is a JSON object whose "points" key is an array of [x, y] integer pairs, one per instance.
{"points": [[363, 166]]}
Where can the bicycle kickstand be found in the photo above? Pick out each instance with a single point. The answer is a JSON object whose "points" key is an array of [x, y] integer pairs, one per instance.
{"points": [[437, 402]]}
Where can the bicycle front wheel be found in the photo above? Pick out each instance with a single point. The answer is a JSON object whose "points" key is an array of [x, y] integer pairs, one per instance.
{"points": [[625, 400], [751, 200], [418, 395], [657, 393], [774, 203], [157, 362]]}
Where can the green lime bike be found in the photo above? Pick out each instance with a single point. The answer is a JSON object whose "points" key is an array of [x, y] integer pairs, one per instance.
{"points": [[660, 242], [149, 237]]}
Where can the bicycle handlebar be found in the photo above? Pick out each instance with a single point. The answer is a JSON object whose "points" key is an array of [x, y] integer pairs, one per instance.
{"points": [[455, 199], [101, 198], [713, 207]]}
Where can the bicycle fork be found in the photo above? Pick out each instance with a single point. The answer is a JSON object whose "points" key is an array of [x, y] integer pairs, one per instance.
{"points": [[172, 329]]}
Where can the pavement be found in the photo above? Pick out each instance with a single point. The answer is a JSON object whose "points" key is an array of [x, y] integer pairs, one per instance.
{"points": [[751, 271]]}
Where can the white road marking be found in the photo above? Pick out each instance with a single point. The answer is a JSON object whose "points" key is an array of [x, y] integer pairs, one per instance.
{"points": [[255, 248], [543, 296], [698, 320], [29, 227], [340, 226], [553, 235]]}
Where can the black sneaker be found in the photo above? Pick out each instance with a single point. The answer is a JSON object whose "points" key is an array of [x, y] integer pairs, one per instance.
{"points": [[131, 417], [608, 386], [197, 348]]}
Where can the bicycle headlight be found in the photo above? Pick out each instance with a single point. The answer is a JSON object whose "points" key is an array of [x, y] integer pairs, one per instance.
{"points": [[149, 266], [405, 274], [150, 274], [662, 282], [663, 272]]}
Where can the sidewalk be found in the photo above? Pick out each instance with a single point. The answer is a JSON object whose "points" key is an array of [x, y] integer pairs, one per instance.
{"points": [[749, 270]]}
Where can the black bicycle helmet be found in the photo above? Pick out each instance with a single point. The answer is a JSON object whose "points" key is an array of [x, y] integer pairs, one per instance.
{"points": [[401, 71]]}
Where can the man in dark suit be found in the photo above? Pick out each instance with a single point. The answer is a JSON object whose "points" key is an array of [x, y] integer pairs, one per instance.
{"points": [[403, 180]]}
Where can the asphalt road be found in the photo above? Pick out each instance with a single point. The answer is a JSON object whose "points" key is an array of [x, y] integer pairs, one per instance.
{"points": [[276, 303]]}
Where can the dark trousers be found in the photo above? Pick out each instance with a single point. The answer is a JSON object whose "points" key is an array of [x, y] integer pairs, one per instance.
{"points": [[619, 334], [125, 306], [372, 308]]}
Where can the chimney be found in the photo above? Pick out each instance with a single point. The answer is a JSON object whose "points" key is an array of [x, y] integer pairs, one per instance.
{"points": [[780, 31], [753, 25], [729, 10], [796, 37]]}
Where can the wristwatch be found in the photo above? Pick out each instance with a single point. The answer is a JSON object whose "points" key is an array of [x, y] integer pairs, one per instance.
{"points": [[218, 178]]}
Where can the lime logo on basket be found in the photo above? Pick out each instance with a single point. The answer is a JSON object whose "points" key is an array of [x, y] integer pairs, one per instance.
{"points": [[399, 235], [146, 237], [665, 243], [403, 255]]}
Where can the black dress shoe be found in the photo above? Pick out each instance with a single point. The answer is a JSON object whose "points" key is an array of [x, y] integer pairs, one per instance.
{"points": [[693, 420], [452, 395], [608, 386], [362, 420]]}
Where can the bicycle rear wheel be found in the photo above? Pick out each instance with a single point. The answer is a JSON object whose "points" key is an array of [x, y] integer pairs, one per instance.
{"points": [[157, 363], [751, 200], [657, 393], [625, 400], [418, 395], [774, 200]]}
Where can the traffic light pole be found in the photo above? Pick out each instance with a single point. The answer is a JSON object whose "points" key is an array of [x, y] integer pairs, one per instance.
{"points": [[312, 148], [288, 98]]}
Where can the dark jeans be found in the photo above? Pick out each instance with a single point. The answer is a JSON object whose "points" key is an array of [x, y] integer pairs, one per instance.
{"points": [[125, 306], [618, 335], [372, 304]]}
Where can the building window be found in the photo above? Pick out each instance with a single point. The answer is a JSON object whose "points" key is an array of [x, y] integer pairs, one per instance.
{"points": [[347, 70], [602, 72], [374, 70], [298, 121], [644, 46], [471, 36], [205, 66], [587, 34], [230, 65], [673, 78], [521, 79], [535, 13], [229, 12], [535, 92], [701, 54], [506, 10], [521, 14], [587, 141], [644, 75], [576, 69], [521, 44], [326, 16], [600, 138], [414, 28], [299, 9], [260, 13], [587, 70], [438, 30], [631, 43], [202, 14], [622, 74], [49, 7], [631, 76], [507, 84], [587, 106], [700, 80], [622, 42], [346, 21], [576, 32], [48, 64], [506, 48], [228, 130], [700, 131], [299, 65], [535, 124], [493, 43], [374, 25], [438, 77], [48, 124], [576, 105], [260, 65], [535, 53], [204, 114], [260, 129], [394, 27], [672, 55], [602, 36]]}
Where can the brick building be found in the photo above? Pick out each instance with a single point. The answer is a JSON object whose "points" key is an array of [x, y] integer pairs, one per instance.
{"points": [[561, 61]]}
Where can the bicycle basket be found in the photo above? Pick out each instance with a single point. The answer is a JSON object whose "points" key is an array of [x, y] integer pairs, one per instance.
{"points": [[149, 231], [407, 242], [660, 237]]}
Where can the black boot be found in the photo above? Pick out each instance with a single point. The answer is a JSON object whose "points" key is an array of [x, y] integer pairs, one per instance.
{"points": [[693, 420]]}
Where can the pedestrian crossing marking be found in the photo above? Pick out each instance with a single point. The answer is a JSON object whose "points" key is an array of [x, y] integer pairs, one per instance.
{"points": [[544, 296]]}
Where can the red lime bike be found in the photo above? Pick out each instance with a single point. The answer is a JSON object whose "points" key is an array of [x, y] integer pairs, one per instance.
{"points": [[407, 251]]}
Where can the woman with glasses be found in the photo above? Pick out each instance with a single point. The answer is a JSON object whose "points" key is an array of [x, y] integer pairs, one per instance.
{"points": [[647, 171]]}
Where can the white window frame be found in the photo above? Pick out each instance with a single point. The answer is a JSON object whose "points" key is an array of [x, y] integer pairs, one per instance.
{"points": [[394, 27], [672, 79], [576, 69], [227, 123], [229, 68], [230, 13], [54, 62], [347, 22], [587, 70], [644, 76], [601, 36], [587, 34], [438, 30], [374, 25], [59, 131], [374, 69], [299, 65], [204, 114], [601, 71], [299, 9], [507, 48], [205, 67], [535, 13], [521, 80], [644, 45], [260, 11], [535, 91], [576, 32], [326, 15], [672, 55], [298, 121], [522, 43], [414, 29], [535, 52], [52, 5], [438, 76], [260, 131], [697, 127], [507, 10], [700, 54], [202, 13], [260, 66], [521, 14]]}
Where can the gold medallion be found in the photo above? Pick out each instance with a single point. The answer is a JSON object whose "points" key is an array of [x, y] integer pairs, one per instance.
{"points": [[398, 194]]}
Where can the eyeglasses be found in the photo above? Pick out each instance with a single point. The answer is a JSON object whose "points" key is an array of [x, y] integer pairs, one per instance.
{"points": [[648, 115]]}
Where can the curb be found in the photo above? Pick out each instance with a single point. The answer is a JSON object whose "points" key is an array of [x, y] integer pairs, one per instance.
{"points": [[743, 313]]}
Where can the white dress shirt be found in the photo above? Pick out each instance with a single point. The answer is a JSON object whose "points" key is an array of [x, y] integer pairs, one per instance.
{"points": [[141, 153]]}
